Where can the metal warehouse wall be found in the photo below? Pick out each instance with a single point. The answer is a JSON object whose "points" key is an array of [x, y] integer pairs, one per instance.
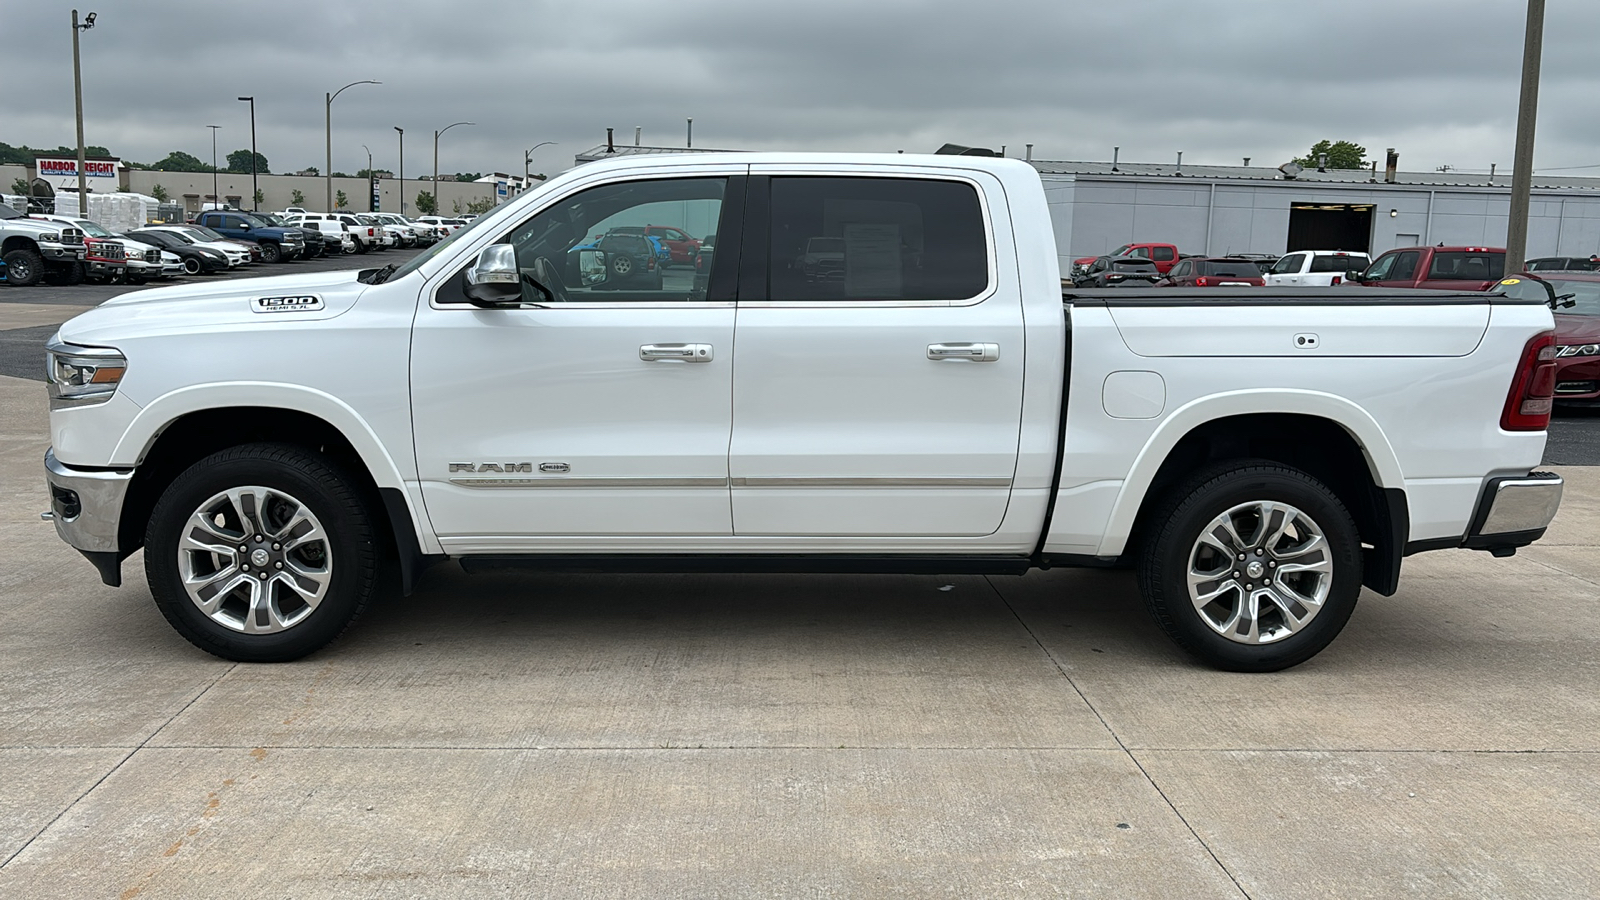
{"points": [[1096, 214]]}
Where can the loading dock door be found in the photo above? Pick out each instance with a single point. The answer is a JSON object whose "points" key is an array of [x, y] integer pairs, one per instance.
{"points": [[1330, 226]]}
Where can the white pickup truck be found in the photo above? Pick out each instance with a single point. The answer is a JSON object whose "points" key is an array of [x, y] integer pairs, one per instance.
{"points": [[515, 397]]}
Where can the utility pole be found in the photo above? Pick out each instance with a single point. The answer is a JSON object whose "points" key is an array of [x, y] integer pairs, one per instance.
{"points": [[254, 189], [216, 197], [372, 180], [402, 169], [77, 89], [438, 207], [1527, 116], [328, 122]]}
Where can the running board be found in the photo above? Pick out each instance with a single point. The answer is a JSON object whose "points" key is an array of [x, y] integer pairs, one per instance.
{"points": [[788, 564]]}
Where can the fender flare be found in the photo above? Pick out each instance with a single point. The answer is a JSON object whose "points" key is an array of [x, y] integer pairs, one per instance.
{"points": [[1380, 457]]}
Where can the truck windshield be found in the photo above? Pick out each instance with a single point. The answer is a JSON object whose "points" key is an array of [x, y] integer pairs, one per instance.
{"points": [[92, 229]]}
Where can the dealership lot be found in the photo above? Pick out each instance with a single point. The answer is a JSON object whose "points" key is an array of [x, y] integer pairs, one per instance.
{"points": [[565, 735]]}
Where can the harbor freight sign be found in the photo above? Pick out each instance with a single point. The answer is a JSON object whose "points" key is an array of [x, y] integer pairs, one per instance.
{"points": [[57, 167]]}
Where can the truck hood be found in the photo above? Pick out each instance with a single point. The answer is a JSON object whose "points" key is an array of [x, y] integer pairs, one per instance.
{"points": [[1571, 329], [199, 307]]}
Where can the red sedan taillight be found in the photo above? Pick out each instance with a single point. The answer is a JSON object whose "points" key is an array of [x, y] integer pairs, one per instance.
{"points": [[1533, 387]]}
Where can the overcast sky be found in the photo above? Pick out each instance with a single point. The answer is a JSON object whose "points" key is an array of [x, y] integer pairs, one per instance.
{"points": [[1219, 80]]}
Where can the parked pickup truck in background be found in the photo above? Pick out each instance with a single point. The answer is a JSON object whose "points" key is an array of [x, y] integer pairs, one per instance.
{"points": [[277, 244], [1316, 268], [1437, 268], [942, 406], [1165, 256]]}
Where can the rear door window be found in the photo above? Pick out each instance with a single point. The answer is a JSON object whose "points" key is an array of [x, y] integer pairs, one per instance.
{"points": [[881, 239], [1338, 263], [1162, 254], [1466, 266], [1289, 265]]}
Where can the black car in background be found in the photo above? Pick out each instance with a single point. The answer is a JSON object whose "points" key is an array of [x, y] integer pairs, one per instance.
{"points": [[1563, 264], [196, 260], [702, 263], [1118, 271]]}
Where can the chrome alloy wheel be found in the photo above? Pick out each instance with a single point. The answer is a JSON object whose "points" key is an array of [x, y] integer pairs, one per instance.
{"points": [[255, 560], [1260, 572]]}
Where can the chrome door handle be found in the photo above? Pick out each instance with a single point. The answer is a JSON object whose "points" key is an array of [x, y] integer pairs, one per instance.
{"points": [[691, 353], [969, 352]]}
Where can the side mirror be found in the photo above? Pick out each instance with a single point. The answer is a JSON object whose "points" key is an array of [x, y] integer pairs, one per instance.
{"points": [[494, 280], [591, 267]]}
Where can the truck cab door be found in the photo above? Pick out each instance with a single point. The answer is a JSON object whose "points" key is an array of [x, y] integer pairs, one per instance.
{"points": [[595, 406], [881, 398]]}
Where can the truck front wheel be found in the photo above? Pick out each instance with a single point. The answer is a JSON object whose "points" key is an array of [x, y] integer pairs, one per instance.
{"points": [[260, 553], [1252, 566], [24, 267], [270, 252]]}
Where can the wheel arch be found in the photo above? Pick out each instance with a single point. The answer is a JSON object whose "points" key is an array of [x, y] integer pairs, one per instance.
{"points": [[176, 431], [18, 242], [1328, 437]]}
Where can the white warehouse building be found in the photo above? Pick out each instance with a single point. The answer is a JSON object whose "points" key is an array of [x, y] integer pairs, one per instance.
{"points": [[1217, 210]]}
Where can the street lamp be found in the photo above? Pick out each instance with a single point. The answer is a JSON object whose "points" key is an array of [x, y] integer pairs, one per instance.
{"points": [[437, 208], [77, 89], [216, 197], [527, 157], [370, 177], [254, 190], [328, 121], [402, 169]]}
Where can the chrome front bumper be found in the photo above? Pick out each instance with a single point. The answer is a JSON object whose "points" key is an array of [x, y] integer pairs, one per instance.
{"points": [[86, 505], [1515, 511]]}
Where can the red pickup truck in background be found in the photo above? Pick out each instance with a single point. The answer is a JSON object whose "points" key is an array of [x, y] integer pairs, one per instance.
{"points": [[1438, 268], [1165, 256]]}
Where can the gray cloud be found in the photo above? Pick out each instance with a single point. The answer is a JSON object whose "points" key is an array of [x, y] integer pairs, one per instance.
{"points": [[1217, 80]]}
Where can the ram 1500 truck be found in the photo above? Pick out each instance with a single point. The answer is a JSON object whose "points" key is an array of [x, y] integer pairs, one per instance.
{"points": [[940, 407]]}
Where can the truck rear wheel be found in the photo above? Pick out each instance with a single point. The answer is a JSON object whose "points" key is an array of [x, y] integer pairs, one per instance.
{"points": [[260, 553], [1252, 566], [24, 267]]}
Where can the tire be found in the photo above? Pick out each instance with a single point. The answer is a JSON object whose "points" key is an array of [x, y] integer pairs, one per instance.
{"points": [[271, 253], [68, 274], [622, 265], [24, 267], [214, 500], [361, 247], [192, 266], [1258, 619]]}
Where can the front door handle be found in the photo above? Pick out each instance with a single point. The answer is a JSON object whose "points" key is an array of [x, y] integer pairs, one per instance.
{"points": [[690, 353], [968, 352]]}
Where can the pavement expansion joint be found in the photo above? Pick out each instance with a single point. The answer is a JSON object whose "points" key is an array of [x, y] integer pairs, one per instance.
{"points": [[1118, 738]]}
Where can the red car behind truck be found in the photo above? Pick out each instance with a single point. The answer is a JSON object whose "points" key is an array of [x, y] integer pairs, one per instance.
{"points": [[1438, 268], [1165, 256]]}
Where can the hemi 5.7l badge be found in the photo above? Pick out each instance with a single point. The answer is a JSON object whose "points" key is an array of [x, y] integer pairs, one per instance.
{"points": [[302, 303]]}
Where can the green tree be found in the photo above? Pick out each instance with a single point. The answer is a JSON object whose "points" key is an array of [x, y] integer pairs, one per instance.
{"points": [[469, 176], [1341, 155], [312, 169], [341, 175], [21, 186], [340, 201], [179, 161], [260, 197], [455, 205], [239, 161], [160, 193], [426, 205], [297, 198], [479, 207]]}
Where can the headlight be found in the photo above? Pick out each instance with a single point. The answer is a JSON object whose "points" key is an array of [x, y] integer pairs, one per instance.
{"points": [[50, 237], [82, 376]]}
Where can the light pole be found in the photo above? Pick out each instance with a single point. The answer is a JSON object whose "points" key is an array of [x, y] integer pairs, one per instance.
{"points": [[438, 210], [328, 122], [1522, 166], [77, 89], [402, 169], [216, 197], [527, 158], [254, 190], [371, 178]]}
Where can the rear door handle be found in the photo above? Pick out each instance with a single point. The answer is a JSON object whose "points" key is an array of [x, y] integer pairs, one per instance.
{"points": [[968, 352], [690, 353]]}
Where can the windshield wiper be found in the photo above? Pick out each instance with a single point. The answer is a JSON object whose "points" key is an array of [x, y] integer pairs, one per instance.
{"points": [[377, 276]]}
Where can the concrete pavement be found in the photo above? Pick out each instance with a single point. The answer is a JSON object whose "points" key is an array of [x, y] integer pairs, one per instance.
{"points": [[513, 735]]}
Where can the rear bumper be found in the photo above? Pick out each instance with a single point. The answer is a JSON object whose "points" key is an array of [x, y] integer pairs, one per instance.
{"points": [[1513, 511]]}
